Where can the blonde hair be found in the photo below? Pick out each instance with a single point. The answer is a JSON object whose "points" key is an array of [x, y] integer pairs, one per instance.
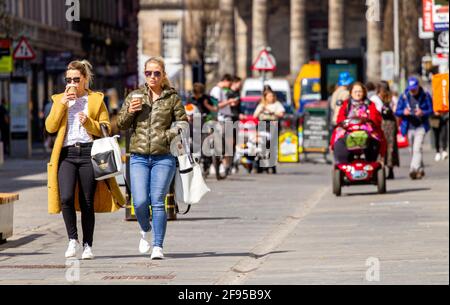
{"points": [[264, 100], [160, 62], [85, 69]]}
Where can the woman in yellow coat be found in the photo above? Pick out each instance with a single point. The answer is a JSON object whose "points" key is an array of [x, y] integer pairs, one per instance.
{"points": [[76, 116]]}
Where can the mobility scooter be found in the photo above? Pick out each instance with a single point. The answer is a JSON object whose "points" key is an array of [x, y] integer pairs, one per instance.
{"points": [[358, 171]]}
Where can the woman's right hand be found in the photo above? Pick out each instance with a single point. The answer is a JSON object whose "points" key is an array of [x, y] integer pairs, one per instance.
{"points": [[67, 97], [135, 106]]}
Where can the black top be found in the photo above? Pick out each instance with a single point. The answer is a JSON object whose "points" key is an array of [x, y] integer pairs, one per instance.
{"points": [[235, 110], [199, 103]]}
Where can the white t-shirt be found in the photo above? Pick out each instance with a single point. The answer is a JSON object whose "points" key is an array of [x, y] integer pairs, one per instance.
{"points": [[220, 95], [76, 133], [270, 111]]}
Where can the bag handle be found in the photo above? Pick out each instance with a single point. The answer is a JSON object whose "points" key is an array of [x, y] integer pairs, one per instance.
{"points": [[104, 129], [186, 147]]}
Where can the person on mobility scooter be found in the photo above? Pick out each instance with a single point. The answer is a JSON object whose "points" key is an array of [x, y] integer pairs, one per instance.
{"points": [[358, 143]]}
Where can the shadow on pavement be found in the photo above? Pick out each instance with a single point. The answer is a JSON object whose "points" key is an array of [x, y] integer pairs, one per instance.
{"points": [[390, 192], [196, 255], [207, 218], [21, 254], [20, 242]]}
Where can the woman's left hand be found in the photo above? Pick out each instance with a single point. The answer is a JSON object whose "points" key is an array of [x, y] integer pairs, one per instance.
{"points": [[83, 117]]}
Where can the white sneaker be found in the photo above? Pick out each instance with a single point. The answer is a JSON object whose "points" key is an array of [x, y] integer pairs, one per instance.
{"points": [[437, 158], [212, 171], [222, 169], [87, 253], [145, 242], [73, 248], [157, 253], [444, 155]]}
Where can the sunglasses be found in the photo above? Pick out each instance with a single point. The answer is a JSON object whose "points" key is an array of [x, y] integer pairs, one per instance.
{"points": [[75, 80], [155, 73]]}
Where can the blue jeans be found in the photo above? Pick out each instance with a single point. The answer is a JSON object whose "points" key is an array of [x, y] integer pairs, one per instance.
{"points": [[151, 177]]}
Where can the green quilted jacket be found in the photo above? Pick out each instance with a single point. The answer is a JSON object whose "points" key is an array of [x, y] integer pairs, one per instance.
{"points": [[153, 128]]}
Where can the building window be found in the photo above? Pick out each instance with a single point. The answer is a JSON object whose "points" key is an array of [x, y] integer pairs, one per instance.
{"points": [[171, 41]]}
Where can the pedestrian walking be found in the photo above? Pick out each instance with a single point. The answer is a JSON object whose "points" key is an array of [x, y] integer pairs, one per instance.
{"points": [[76, 116], [219, 96], [414, 108], [439, 124], [150, 112], [203, 102], [388, 125]]}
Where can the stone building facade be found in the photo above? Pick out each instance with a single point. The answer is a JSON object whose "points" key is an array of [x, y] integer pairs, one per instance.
{"points": [[296, 31]]}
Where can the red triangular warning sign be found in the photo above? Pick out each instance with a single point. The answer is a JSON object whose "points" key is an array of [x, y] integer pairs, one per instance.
{"points": [[24, 51], [264, 62]]}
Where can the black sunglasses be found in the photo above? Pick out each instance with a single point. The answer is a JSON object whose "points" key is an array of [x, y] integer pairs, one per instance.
{"points": [[155, 73], [75, 80]]}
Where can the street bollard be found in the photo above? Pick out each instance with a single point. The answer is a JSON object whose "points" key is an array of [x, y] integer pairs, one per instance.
{"points": [[171, 207]]}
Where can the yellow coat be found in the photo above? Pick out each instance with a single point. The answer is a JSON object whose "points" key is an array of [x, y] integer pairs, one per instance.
{"points": [[106, 199]]}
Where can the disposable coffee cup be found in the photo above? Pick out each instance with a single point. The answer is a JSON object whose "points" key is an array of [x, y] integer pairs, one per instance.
{"points": [[140, 97], [71, 88]]}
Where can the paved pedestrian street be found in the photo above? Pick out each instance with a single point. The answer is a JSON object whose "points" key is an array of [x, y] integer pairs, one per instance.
{"points": [[251, 229]]}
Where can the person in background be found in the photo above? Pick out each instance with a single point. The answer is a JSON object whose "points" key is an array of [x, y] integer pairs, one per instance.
{"points": [[219, 95], [340, 95], [439, 124], [269, 109], [414, 108], [235, 94], [371, 90], [203, 102], [389, 127], [4, 126]]}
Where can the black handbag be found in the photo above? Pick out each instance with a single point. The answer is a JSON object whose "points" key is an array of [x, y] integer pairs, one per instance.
{"points": [[104, 164]]}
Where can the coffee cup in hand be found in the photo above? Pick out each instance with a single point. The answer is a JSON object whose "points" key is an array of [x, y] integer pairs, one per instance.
{"points": [[73, 89], [136, 101]]}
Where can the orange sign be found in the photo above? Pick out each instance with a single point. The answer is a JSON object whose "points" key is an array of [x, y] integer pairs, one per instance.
{"points": [[440, 92]]}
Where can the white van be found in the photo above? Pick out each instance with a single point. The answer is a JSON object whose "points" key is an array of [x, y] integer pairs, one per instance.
{"points": [[254, 87]]}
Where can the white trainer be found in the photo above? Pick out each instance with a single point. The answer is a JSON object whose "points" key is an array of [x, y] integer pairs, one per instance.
{"points": [[87, 253], [437, 158], [157, 253], [73, 248], [444, 155], [145, 242]]}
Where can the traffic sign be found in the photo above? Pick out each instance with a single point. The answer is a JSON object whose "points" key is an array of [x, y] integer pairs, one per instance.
{"points": [[23, 51], [264, 62]]}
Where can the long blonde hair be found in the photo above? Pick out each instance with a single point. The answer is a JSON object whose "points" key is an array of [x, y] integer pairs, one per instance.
{"points": [[85, 69], [160, 62]]}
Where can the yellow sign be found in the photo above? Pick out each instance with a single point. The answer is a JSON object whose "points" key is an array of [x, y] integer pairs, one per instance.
{"points": [[6, 59], [288, 147]]}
